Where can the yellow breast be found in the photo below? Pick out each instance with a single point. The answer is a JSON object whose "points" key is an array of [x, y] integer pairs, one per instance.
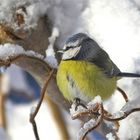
{"points": [[84, 80]]}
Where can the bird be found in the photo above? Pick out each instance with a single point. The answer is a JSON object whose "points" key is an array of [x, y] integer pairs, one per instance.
{"points": [[86, 70]]}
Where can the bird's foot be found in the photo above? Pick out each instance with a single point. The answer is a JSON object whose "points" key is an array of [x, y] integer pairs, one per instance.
{"points": [[79, 109], [77, 102], [92, 112]]}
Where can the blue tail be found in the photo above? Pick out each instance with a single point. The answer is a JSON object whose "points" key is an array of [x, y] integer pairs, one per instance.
{"points": [[125, 74]]}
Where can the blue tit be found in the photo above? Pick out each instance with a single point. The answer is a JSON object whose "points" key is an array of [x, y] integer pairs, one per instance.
{"points": [[86, 70]]}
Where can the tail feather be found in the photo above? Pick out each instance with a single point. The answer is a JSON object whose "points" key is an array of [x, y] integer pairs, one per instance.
{"points": [[125, 74]]}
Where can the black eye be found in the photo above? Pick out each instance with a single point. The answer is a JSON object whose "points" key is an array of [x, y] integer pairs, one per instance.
{"points": [[68, 47]]}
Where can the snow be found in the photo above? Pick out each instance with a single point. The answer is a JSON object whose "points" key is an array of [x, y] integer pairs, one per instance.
{"points": [[10, 49], [137, 3], [34, 9], [89, 124], [110, 136], [81, 133], [50, 53], [97, 99], [34, 54], [66, 15], [130, 128]]}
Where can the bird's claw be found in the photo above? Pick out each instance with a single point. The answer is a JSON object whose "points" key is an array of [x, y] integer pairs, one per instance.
{"points": [[78, 103]]}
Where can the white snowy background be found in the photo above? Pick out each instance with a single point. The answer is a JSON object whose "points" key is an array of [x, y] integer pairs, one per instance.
{"points": [[114, 24]]}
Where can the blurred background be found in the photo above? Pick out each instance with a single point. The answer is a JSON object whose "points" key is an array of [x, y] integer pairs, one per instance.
{"points": [[41, 27]]}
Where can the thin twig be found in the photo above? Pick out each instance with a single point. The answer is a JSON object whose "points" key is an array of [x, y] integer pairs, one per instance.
{"points": [[33, 115], [106, 113], [97, 109], [98, 121], [35, 129], [126, 114], [123, 94]]}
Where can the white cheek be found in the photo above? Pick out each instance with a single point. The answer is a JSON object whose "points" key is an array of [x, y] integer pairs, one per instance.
{"points": [[70, 53]]}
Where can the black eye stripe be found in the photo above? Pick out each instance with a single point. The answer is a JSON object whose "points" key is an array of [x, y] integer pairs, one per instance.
{"points": [[68, 47]]}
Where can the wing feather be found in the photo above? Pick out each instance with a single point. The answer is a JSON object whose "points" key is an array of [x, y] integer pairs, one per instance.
{"points": [[93, 53]]}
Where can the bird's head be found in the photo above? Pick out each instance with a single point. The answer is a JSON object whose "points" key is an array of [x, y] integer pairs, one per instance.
{"points": [[73, 46]]}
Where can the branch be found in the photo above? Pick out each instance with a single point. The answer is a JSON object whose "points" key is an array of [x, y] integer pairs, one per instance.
{"points": [[95, 113], [34, 113]]}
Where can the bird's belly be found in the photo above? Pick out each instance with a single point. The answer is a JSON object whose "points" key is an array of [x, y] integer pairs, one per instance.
{"points": [[80, 79]]}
